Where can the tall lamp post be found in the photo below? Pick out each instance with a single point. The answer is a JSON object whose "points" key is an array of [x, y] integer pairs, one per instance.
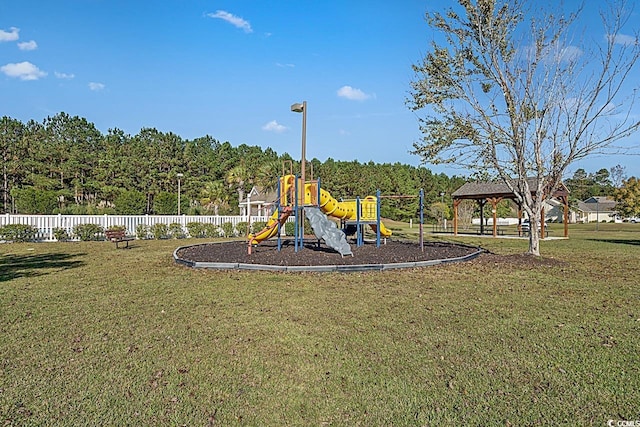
{"points": [[179, 175], [302, 108]]}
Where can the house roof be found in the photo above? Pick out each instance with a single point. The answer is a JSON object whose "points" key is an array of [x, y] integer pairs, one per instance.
{"points": [[597, 204], [258, 195], [481, 190]]}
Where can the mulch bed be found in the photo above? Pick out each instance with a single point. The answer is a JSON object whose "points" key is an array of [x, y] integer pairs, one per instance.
{"points": [[315, 255]]}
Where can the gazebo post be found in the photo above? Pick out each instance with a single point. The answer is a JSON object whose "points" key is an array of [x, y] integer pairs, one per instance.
{"points": [[482, 202], [565, 216], [456, 203], [494, 203], [519, 219]]}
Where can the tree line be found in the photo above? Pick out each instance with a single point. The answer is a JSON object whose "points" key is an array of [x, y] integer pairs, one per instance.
{"points": [[64, 164]]}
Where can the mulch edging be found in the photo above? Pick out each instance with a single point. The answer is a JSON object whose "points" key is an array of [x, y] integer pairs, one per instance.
{"points": [[317, 258]]}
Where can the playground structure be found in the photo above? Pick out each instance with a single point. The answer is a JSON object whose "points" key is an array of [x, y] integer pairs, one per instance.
{"points": [[300, 198], [306, 198]]}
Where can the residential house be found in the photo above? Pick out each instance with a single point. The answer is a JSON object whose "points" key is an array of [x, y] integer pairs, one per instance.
{"points": [[258, 202], [597, 209]]}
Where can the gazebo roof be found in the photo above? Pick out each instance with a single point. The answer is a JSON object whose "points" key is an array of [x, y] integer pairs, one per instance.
{"points": [[495, 191], [498, 189]]}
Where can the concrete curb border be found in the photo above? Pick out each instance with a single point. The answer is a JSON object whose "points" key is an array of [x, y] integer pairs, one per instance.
{"points": [[320, 268]]}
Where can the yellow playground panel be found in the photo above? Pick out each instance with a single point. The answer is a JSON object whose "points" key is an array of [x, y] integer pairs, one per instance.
{"points": [[308, 195]]}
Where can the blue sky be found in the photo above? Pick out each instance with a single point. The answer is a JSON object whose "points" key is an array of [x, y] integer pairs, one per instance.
{"points": [[230, 69]]}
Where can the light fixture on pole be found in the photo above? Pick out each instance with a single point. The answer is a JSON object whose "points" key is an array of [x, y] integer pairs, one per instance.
{"points": [[302, 108], [179, 175]]}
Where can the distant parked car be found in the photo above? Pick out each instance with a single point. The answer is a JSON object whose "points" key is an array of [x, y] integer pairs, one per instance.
{"points": [[633, 219]]}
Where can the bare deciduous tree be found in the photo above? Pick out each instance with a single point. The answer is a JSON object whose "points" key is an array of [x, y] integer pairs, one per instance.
{"points": [[465, 213], [515, 92]]}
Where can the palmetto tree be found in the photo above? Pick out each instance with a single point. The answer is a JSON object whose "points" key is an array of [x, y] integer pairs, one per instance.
{"points": [[236, 178], [268, 174], [214, 195]]}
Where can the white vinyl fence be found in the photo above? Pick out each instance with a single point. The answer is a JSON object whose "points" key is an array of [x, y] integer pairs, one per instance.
{"points": [[46, 224]]}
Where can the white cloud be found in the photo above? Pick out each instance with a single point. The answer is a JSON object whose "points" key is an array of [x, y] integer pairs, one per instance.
{"points": [[274, 126], [609, 109], [9, 36], [553, 53], [23, 71], [622, 39], [353, 94], [278, 64], [30, 45], [96, 86], [568, 54], [232, 19], [64, 75]]}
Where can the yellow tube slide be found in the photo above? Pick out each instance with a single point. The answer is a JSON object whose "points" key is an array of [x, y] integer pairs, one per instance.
{"points": [[271, 229], [347, 210]]}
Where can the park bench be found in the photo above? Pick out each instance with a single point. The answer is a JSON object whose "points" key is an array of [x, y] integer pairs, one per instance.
{"points": [[117, 236], [523, 231], [488, 230]]}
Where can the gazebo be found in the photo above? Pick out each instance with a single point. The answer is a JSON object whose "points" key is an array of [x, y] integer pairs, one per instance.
{"points": [[494, 193]]}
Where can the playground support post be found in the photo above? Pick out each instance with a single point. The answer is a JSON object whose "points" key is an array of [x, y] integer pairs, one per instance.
{"points": [[279, 215], [421, 219], [378, 218], [359, 231]]}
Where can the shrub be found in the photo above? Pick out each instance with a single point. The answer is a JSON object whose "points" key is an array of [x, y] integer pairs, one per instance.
{"points": [[257, 226], [242, 228], [211, 230], [227, 229], [165, 203], [176, 231], [196, 229], [100, 209], [72, 210], [289, 228], [142, 231], [18, 233], [87, 232], [193, 210], [130, 202], [160, 231], [32, 201], [61, 234]]}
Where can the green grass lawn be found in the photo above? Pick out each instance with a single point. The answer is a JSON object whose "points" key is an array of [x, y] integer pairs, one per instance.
{"points": [[91, 335]]}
